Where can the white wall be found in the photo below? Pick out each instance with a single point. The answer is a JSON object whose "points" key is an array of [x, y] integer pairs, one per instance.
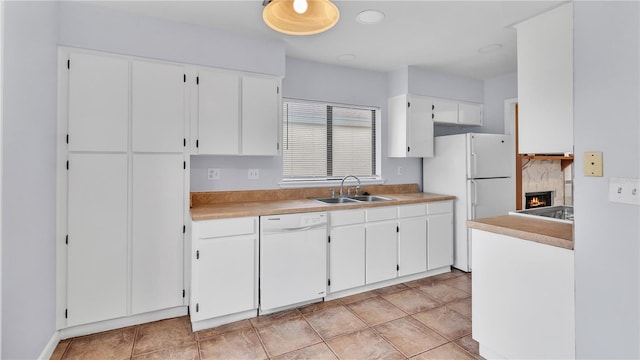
{"points": [[28, 178], [607, 235]]}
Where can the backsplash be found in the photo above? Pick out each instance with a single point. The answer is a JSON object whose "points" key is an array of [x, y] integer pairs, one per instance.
{"points": [[547, 175]]}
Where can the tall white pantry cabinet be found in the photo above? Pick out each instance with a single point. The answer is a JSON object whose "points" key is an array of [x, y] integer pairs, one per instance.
{"points": [[123, 190]]}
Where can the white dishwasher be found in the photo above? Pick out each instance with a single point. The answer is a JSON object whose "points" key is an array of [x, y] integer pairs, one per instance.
{"points": [[293, 260]]}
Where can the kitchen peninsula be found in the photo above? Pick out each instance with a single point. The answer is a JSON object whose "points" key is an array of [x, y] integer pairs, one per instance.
{"points": [[523, 287]]}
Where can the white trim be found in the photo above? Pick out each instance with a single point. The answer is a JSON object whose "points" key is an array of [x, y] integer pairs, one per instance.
{"points": [[50, 347], [510, 126], [1, 134], [296, 184]]}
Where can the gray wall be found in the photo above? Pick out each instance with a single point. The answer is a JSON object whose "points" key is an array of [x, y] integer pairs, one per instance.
{"points": [[607, 235], [496, 91], [29, 178]]}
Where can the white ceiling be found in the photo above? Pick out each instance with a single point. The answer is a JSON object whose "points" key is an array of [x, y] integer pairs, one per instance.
{"points": [[443, 36]]}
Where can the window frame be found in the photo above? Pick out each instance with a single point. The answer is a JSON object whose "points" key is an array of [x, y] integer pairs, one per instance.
{"points": [[333, 180]]}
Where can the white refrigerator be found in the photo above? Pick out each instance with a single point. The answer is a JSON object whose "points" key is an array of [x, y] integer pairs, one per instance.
{"points": [[478, 169]]}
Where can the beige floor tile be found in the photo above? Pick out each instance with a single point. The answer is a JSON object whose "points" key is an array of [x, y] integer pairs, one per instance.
{"points": [[448, 351], [189, 352], [115, 344], [411, 301], [446, 322], [334, 321], [207, 333], [470, 345], [239, 344], [460, 282], [320, 306], [60, 349], [391, 289], [283, 336], [263, 320], [364, 344], [376, 310], [358, 297], [316, 352], [163, 334], [410, 336], [443, 292], [462, 306]]}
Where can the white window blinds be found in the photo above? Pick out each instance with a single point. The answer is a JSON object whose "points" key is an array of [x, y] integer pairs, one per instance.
{"points": [[322, 141]]}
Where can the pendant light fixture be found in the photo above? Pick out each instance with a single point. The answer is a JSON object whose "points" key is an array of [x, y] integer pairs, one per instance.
{"points": [[300, 17]]}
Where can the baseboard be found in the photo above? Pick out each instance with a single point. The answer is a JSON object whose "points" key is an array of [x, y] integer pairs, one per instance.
{"points": [[50, 347]]}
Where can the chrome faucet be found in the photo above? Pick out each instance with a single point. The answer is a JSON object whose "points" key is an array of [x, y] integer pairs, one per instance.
{"points": [[342, 184]]}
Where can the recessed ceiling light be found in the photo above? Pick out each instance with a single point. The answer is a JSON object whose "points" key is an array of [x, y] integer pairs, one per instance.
{"points": [[346, 57], [370, 16], [490, 48]]}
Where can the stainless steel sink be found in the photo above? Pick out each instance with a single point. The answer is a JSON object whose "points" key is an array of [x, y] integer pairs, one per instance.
{"points": [[336, 200], [370, 198]]}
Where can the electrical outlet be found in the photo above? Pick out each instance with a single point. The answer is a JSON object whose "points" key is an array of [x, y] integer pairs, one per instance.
{"points": [[399, 170], [213, 174], [254, 174], [624, 191]]}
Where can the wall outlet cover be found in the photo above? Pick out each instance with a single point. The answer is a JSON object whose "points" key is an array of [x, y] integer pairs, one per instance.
{"points": [[593, 163]]}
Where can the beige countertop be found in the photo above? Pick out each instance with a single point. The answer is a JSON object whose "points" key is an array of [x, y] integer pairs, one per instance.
{"points": [[201, 210], [542, 231]]}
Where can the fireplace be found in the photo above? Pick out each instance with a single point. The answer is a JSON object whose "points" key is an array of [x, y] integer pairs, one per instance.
{"points": [[538, 199]]}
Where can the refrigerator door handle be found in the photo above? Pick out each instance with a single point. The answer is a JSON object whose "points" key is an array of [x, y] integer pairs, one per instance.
{"points": [[475, 198], [474, 164]]}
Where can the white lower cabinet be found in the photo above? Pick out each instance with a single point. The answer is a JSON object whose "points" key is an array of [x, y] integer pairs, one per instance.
{"points": [[224, 268], [412, 239], [381, 245], [346, 250], [439, 234]]}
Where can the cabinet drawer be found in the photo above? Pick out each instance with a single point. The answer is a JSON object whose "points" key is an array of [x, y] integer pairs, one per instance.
{"points": [[412, 210], [346, 217], [381, 213], [226, 227], [440, 207]]}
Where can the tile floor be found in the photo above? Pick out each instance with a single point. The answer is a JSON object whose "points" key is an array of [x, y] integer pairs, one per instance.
{"points": [[428, 318]]}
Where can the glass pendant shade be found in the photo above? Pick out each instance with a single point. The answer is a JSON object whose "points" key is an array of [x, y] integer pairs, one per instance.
{"points": [[319, 16]]}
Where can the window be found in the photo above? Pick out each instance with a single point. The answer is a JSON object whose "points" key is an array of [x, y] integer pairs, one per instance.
{"points": [[327, 141]]}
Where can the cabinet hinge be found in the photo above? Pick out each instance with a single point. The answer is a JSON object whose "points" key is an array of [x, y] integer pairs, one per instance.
{"points": [[197, 254], [397, 229], [398, 267], [197, 80], [184, 165], [277, 146], [67, 138], [67, 164], [68, 64], [184, 293], [66, 313], [408, 149], [433, 107], [197, 143], [184, 229], [66, 239], [329, 238], [277, 89], [197, 307], [184, 78], [433, 116], [328, 282], [408, 104], [184, 142]]}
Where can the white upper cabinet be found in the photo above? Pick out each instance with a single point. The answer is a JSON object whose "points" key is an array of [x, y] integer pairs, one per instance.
{"points": [[451, 112], [237, 114], [98, 103], [470, 114], [410, 130], [158, 107], [545, 82], [260, 114], [218, 113]]}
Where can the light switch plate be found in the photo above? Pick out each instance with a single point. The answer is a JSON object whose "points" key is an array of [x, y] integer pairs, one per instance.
{"points": [[624, 191], [593, 163]]}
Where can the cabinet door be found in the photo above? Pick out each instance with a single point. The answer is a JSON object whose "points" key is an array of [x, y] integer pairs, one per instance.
{"points": [[440, 240], [470, 114], [419, 128], [157, 245], [225, 276], [412, 246], [346, 257], [98, 103], [444, 111], [97, 244], [260, 120], [218, 113], [381, 251], [157, 107]]}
